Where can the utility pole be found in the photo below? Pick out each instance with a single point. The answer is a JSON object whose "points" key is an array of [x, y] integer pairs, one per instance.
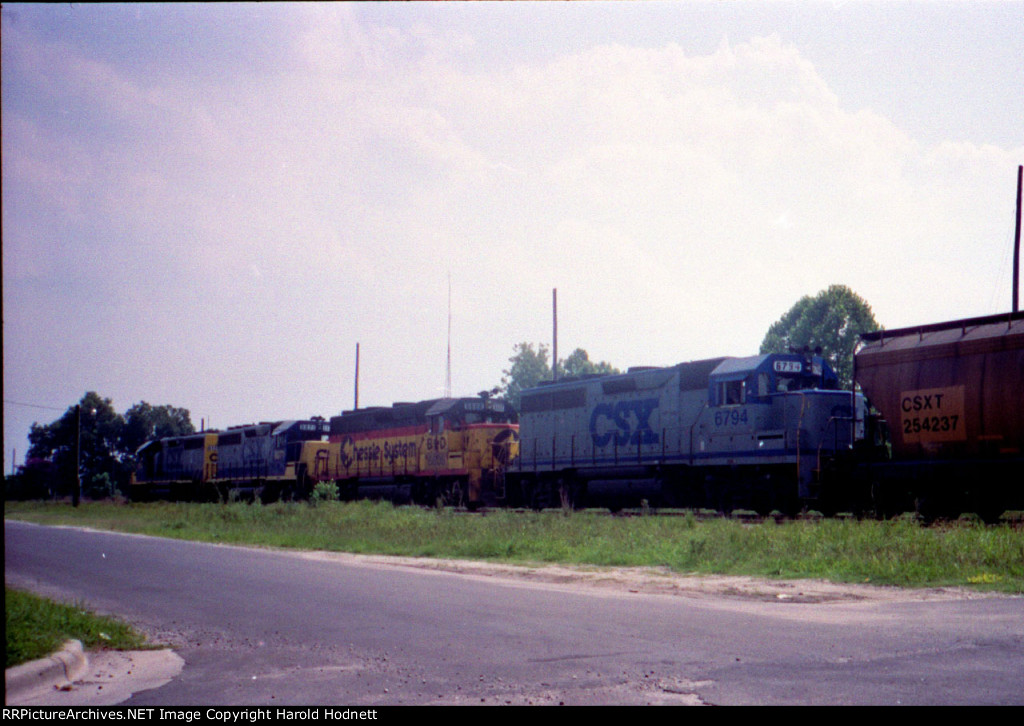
{"points": [[76, 493], [554, 334], [1016, 246], [356, 407], [448, 369]]}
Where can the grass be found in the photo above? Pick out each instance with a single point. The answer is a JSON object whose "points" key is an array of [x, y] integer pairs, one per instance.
{"points": [[897, 552], [37, 627]]}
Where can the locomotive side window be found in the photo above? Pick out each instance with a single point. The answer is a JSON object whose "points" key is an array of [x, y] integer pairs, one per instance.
{"points": [[795, 383], [732, 393]]}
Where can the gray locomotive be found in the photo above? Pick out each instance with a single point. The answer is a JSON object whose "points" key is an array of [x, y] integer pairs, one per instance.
{"points": [[725, 433]]}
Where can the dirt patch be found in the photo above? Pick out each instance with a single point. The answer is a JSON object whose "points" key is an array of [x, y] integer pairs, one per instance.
{"points": [[659, 581]]}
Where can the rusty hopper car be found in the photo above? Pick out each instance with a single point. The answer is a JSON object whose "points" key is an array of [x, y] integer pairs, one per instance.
{"points": [[953, 396]]}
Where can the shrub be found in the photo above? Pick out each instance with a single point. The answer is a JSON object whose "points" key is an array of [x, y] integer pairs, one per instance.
{"points": [[324, 491], [100, 487]]}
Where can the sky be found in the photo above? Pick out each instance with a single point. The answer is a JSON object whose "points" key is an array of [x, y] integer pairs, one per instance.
{"points": [[210, 205]]}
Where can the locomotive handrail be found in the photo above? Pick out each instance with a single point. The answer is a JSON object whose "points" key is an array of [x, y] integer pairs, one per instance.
{"points": [[693, 425]]}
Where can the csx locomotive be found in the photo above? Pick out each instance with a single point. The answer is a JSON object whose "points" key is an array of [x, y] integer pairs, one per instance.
{"points": [[766, 432], [257, 459], [722, 433], [937, 426]]}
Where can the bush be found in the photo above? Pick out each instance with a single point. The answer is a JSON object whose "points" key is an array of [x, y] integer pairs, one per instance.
{"points": [[324, 491], [100, 487]]}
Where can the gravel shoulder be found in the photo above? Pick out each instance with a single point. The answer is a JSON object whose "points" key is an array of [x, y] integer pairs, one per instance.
{"points": [[661, 581]]}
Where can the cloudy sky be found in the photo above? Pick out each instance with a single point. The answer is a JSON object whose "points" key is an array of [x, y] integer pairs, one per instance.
{"points": [[210, 205]]}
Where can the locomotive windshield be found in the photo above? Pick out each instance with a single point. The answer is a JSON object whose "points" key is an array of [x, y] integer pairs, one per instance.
{"points": [[737, 381], [475, 412]]}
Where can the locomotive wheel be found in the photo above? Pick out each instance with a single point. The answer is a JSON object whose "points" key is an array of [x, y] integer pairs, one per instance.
{"points": [[420, 494], [303, 485], [453, 495], [565, 494]]}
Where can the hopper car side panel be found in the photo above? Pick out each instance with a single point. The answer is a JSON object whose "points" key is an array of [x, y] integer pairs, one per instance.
{"points": [[953, 396]]}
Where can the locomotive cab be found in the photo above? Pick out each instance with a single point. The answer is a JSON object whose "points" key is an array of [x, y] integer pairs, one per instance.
{"points": [[781, 417], [753, 380], [478, 437]]}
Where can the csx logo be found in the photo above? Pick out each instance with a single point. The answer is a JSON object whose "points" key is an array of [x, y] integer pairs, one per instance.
{"points": [[627, 422]]}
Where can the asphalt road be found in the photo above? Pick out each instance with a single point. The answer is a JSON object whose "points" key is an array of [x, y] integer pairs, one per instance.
{"points": [[260, 627]]}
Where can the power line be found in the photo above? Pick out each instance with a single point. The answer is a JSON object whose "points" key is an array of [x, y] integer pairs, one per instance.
{"points": [[32, 405]]}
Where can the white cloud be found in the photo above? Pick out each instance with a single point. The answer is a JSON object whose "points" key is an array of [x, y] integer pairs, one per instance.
{"points": [[680, 201]]}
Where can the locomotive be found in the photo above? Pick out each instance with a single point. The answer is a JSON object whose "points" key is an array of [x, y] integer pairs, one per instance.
{"points": [[723, 433], [937, 427], [258, 459], [455, 450], [452, 450]]}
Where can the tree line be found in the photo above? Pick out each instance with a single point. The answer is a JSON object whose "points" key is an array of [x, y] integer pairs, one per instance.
{"points": [[97, 440], [832, 320]]}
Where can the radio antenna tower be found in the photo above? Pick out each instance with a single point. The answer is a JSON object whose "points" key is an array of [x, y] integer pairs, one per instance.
{"points": [[448, 371]]}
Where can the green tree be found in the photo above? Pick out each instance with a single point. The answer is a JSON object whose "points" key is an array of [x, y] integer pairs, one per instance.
{"points": [[108, 444], [832, 320], [144, 422], [101, 431], [578, 364], [530, 366]]}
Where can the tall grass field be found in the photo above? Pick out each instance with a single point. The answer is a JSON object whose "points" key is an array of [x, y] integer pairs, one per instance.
{"points": [[895, 552]]}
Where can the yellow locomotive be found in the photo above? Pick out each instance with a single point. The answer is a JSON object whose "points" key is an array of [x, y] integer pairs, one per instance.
{"points": [[452, 450]]}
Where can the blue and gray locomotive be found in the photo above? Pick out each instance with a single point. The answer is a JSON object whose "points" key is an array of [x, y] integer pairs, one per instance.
{"points": [[723, 433]]}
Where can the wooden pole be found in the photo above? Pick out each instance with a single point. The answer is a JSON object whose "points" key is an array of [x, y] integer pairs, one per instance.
{"points": [[554, 314], [1016, 246], [76, 493]]}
